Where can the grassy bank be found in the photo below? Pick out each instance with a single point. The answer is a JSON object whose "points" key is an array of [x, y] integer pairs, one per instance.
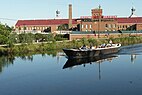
{"points": [[57, 46]]}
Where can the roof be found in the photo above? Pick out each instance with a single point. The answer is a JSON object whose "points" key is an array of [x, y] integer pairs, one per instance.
{"points": [[129, 20], [44, 22], [66, 21]]}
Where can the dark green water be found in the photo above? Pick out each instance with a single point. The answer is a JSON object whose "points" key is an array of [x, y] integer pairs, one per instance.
{"points": [[119, 74]]}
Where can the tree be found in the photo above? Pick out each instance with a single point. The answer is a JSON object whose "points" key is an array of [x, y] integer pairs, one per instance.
{"points": [[47, 30], [63, 27], [3, 39], [5, 31], [26, 38]]}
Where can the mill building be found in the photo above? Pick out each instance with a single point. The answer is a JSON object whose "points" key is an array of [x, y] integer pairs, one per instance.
{"points": [[96, 22]]}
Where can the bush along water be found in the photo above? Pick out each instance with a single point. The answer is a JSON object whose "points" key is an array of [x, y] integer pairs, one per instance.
{"points": [[42, 43]]}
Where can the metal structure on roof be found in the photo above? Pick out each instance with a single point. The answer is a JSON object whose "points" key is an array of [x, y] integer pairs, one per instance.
{"points": [[133, 13]]}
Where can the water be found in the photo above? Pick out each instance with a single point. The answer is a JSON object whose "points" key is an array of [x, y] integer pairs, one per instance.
{"points": [[119, 74]]}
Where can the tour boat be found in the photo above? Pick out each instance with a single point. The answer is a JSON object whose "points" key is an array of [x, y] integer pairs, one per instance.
{"points": [[85, 52]]}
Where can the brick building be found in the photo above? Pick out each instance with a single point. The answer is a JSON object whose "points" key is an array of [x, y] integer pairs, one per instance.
{"points": [[96, 22], [41, 25]]}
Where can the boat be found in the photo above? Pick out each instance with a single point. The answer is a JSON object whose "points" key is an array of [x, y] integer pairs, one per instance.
{"points": [[83, 61], [84, 52]]}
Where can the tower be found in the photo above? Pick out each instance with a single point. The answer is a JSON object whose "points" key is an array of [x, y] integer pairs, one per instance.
{"points": [[70, 16], [57, 13], [97, 12], [132, 13]]}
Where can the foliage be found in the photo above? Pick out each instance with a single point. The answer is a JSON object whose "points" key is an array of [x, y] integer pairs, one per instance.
{"points": [[63, 27], [26, 38], [59, 37], [3, 39], [4, 32], [47, 30]]}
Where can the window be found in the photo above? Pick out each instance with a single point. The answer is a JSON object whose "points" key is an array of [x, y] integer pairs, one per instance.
{"points": [[43, 28], [90, 26], [86, 26], [123, 26], [106, 25], [109, 25], [113, 25], [82, 26]]}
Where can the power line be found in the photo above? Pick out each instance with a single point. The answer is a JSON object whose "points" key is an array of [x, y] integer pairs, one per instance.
{"points": [[8, 19]]}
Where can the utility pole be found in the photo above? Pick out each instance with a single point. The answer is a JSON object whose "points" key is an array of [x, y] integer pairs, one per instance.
{"points": [[99, 22]]}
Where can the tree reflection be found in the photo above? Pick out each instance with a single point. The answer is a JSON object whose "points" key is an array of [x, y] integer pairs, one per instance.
{"points": [[29, 58], [5, 61]]}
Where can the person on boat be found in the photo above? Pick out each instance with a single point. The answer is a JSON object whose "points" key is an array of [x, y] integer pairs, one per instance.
{"points": [[91, 46], [110, 42], [84, 47], [103, 45]]}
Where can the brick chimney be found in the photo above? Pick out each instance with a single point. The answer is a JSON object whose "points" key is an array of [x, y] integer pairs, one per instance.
{"points": [[70, 16]]}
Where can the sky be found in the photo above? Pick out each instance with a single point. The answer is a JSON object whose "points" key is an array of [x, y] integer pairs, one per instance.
{"points": [[13, 10]]}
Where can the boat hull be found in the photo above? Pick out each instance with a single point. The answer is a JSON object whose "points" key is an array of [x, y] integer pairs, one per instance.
{"points": [[78, 53]]}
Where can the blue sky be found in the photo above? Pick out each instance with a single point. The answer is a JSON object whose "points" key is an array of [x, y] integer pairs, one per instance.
{"points": [[45, 9]]}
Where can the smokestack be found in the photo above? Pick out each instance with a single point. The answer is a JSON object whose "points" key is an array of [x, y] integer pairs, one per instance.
{"points": [[70, 16]]}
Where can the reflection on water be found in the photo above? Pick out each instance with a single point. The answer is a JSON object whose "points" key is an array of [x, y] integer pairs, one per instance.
{"points": [[133, 58], [83, 61], [131, 50], [5, 61], [47, 74]]}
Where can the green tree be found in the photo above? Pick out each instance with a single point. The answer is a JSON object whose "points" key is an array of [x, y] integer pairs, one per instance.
{"points": [[63, 27], [3, 39], [26, 38], [5, 31]]}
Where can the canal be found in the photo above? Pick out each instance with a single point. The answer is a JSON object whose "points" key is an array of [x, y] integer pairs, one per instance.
{"points": [[119, 74]]}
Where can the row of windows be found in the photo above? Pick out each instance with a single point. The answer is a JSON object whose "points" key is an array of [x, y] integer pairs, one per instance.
{"points": [[123, 26], [107, 26], [87, 26], [36, 28], [110, 25]]}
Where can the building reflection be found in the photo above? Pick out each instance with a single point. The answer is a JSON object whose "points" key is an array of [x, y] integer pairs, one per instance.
{"points": [[133, 58]]}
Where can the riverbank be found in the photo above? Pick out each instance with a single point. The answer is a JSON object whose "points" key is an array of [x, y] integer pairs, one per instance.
{"points": [[54, 46]]}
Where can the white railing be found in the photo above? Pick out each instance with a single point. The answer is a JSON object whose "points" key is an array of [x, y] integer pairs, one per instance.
{"points": [[62, 32]]}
